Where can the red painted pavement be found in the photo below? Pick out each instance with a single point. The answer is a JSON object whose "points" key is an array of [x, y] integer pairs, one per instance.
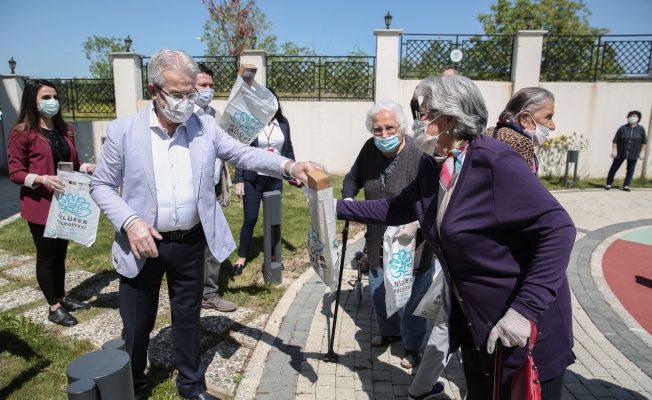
{"points": [[627, 267]]}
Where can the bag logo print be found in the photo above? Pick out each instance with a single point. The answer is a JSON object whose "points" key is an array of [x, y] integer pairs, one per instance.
{"points": [[247, 122], [400, 264], [75, 205], [316, 245]]}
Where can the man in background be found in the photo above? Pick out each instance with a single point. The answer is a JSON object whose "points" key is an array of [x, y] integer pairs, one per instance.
{"points": [[211, 297]]}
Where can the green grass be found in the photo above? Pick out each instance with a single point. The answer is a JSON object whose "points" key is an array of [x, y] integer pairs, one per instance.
{"points": [[558, 183], [34, 357]]}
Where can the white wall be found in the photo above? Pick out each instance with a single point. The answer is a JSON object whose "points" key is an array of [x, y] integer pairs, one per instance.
{"points": [[88, 138], [596, 110]]}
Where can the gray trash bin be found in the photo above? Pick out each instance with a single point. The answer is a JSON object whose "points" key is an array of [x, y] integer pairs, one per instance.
{"points": [[109, 369]]}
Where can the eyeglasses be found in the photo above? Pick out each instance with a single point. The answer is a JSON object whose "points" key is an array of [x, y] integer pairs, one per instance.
{"points": [[391, 130], [178, 96]]}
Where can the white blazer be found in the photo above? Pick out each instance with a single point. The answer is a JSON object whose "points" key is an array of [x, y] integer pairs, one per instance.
{"points": [[126, 160]]}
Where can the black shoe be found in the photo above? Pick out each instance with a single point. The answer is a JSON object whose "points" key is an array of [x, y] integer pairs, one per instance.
{"points": [[203, 396], [237, 270], [607, 187], [62, 317], [74, 305], [626, 188], [436, 391]]}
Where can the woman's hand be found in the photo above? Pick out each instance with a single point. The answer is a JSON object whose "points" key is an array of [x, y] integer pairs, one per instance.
{"points": [[239, 189], [90, 169], [53, 182], [513, 330]]}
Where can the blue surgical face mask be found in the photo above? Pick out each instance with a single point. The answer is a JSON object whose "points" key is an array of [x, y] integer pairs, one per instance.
{"points": [[205, 97], [389, 144], [49, 108]]}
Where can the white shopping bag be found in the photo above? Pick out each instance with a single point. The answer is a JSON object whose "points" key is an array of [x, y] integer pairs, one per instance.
{"points": [[73, 213], [248, 110], [322, 236], [398, 265], [432, 301]]}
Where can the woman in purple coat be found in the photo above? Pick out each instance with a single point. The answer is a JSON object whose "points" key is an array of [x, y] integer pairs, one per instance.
{"points": [[503, 240]]}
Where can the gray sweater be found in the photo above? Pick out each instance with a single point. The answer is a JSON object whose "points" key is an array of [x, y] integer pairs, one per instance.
{"points": [[366, 173]]}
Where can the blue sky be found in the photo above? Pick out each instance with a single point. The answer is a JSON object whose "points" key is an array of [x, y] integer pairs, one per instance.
{"points": [[45, 36]]}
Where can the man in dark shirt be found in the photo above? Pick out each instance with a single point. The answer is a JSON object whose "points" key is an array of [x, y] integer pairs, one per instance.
{"points": [[628, 144]]}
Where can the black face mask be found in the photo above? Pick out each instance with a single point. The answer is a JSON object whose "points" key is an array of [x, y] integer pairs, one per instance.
{"points": [[414, 106]]}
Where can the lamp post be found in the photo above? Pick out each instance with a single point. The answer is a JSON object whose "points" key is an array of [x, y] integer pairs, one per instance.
{"points": [[12, 66], [254, 39], [128, 43], [388, 20], [528, 21]]}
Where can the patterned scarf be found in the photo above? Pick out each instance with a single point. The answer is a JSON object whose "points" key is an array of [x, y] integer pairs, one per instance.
{"points": [[452, 165]]}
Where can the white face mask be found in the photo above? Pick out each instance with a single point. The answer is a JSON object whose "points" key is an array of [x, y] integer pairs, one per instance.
{"points": [[539, 135], [205, 97], [177, 111], [425, 142], [49, 108], [632, 120]]}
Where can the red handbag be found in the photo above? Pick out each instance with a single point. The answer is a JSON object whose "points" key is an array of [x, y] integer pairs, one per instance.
{"points": [[525, 380]]}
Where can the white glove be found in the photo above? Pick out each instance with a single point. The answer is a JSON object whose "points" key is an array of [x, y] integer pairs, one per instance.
{"points": [[614, 153], [53, 182], [641, 155], [407, 231], [513, 330]]}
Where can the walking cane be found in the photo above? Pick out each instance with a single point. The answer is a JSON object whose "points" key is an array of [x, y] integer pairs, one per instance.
{"points": [[498, 371], [331, 356]]}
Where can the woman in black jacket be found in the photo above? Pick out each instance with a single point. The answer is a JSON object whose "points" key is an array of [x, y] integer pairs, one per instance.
{"points": [[275, 137]]}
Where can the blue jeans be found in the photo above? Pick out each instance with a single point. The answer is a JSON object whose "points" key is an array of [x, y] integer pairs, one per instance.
{"points": [[252, 198], [631, 166], [411, 328]]}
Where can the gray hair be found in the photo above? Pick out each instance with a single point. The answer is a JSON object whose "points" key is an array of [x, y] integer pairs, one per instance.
{"points": [[529, 99], [458, 97], [176, 61], [386, 106]]}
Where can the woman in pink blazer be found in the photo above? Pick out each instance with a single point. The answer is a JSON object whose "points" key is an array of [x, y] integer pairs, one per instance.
{"points": [[37, 143]]}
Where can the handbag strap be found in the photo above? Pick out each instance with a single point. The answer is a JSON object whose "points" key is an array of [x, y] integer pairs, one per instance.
{"points": [[533, 336]]}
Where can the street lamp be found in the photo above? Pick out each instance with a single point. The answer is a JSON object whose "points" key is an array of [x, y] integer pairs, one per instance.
{"points": [[12, 66], [128, 43], [254, 39], [388, 20], [528, 21]]}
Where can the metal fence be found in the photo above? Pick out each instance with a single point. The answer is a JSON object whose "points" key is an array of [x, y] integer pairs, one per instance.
{"points": [[225, 70], [86, 99], [596, 58], [484, 57], [322, 77]]}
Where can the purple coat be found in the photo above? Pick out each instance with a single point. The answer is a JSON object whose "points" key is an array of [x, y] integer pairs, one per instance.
{"points": [[505, 242]]}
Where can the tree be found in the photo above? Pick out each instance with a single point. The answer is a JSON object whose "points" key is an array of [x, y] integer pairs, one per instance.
{"points": [[558, 17], [233, 26], [571, 51], [97, 49]]}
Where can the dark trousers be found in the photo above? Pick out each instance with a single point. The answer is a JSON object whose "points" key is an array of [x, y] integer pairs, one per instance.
{"points": [[631, 166], [252, 199], [183, 263], [50, 263], [476, 381]]}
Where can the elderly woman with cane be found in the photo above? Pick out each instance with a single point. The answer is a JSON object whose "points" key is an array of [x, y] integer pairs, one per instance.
{"points": [[503, 240]]}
